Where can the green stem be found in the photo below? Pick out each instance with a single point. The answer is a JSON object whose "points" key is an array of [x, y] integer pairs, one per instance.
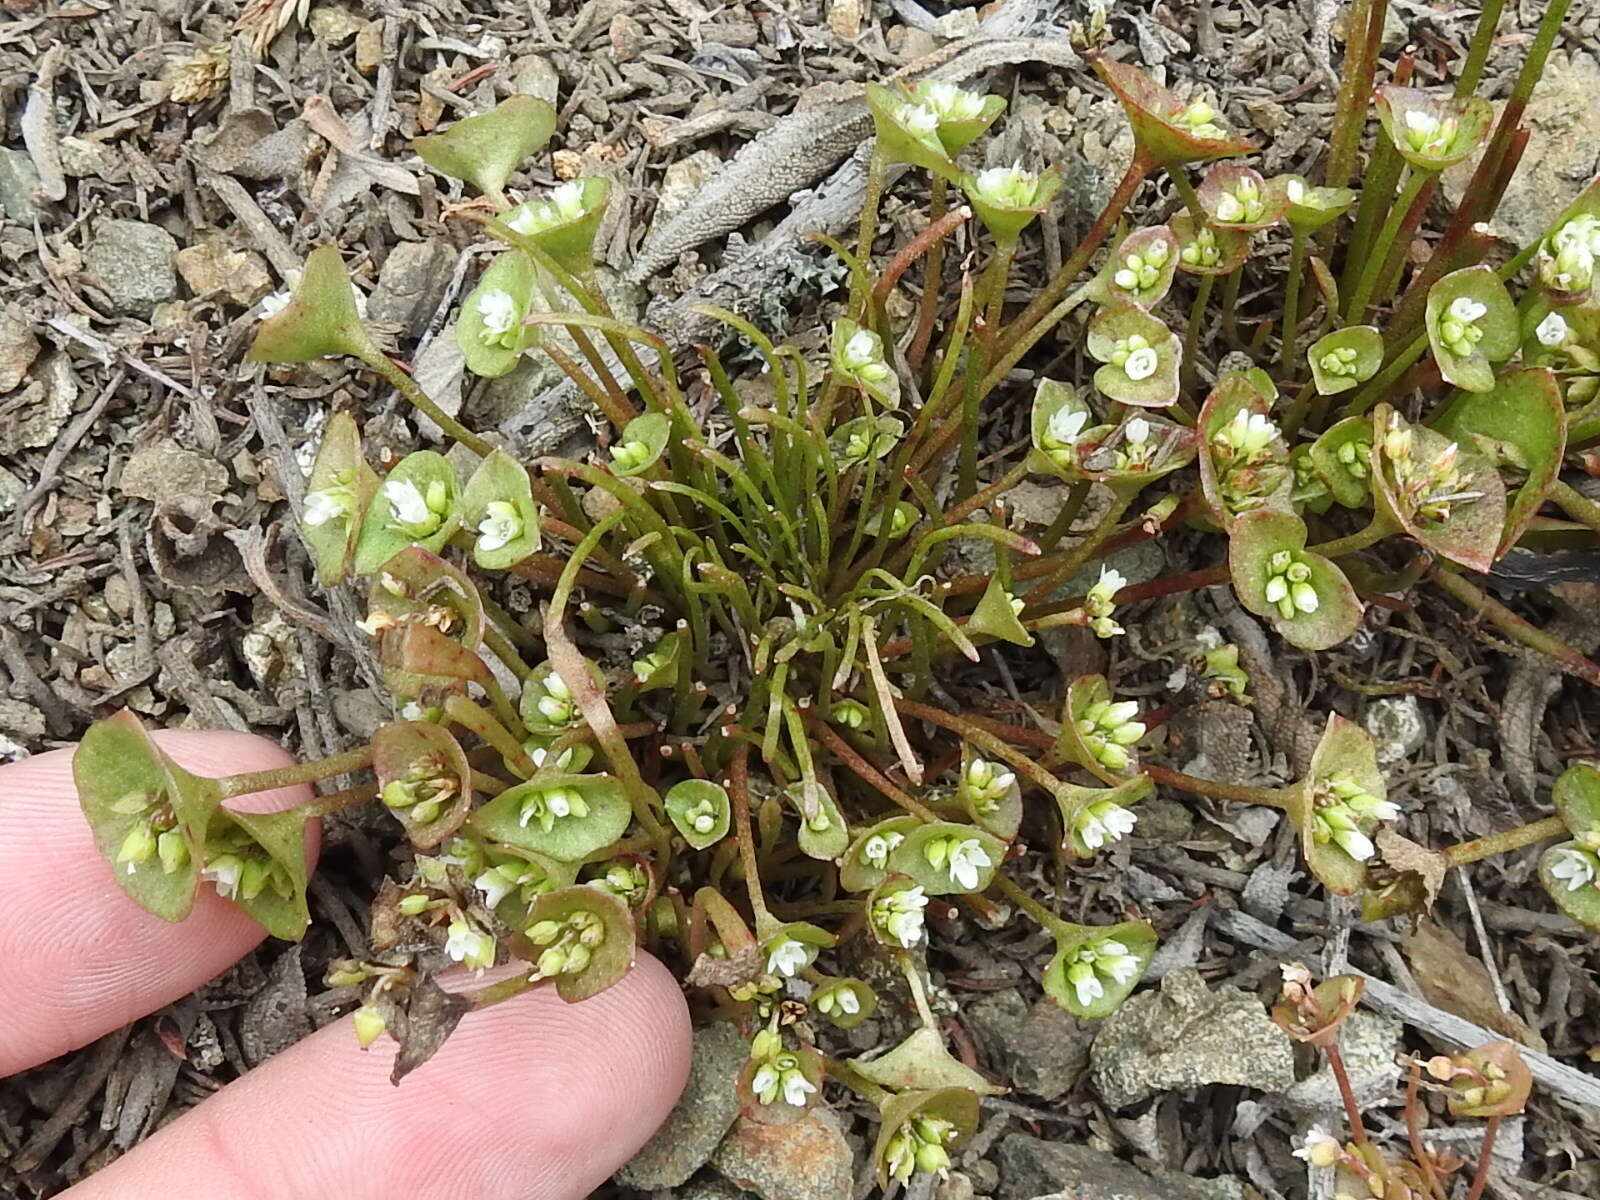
{"points": [[1082, 552], [1191, 333], [1478, 51], [1378, 386], [1012, 354], [1575, 504], [1291, 302], [423, 403], [333, 802], [1514, 627], [1376, 530], [1051, 923], [868, 232], [1400, 215], [1506, 841], [279, 777], [1230, 305], [1379, 182], [1077, 493], [1363, 37], [491, 732], [1239, 793], [1191, 198], [494, 993]]}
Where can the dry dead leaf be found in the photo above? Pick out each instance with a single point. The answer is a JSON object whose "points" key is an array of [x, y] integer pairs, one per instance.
{"points": [[1453, 979]]}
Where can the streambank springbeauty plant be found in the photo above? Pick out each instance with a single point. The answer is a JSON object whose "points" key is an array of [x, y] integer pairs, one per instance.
{"points": [[732, 735]]}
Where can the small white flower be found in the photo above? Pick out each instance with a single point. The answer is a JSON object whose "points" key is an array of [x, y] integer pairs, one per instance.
{"points": [[900, 914], [495, 884], [847, 1000], [501, 525], [1141, 364], [1318, 1149], [1576, 867], [764, 1080], [1111, 582], [1088, 987], [877, 848], [1296, 191], [1137, 431], [1465, 309], [796, 1087], [1552, 331], [787, 957], [920, 119], [498, 312], [470, 946], [862, 347], [224, 871], [406, 499], [951, 102], [274, 304], [1105, 821], [328, 504], [1354, 843], [1065, 424], [966, 859]]}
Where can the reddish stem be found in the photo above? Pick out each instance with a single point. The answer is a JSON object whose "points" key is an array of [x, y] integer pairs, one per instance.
{"points": [[917, 247], [1352, 1110], [1485, 1158]]}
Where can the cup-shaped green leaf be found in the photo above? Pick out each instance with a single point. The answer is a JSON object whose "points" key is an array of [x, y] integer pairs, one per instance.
{"points": [[1098, 733], [1472, 324], [866, 862], [1565, 338], [1570, 249], [1205, 249], [418, 587], [963, 113], [497, 507], [490, 330], [1244, 461], [1059, 420], [1237, 197], [1128, 456], [860, 358], [824, 834], [1140, 270], [997, 616], [1433, 132], [423, 778], [1305, 596], [321, 317], [641, 444], [1577, 798], [927, 126], [947, 858], [547, 706], [699, 810], [566, 817], [1306, 208], [565, 224], [862, 438], [1337, 806], [896, 909], [340, 487], [415, 506], [922, 1063], [777, 1086], [989, 794], [1007, 199], [258, 860], [147, 813], [788, 948], [1570, 873], [1141, 357], [485, 150], [660, 666], [1523, 422], [1096, 967], [1094, 818], [511, 879], [1450, 499], [1342, 456], [844, 1001], [584, 919], [1345, 358], [917, 1130], [1168, 129]]}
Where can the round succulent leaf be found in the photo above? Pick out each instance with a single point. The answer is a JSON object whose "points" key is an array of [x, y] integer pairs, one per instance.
{"points": [[320, 319], [877, 436], [569, 242], [608, 962], [1003, 815], [957, 1105], [1205, 249], [1153, 383], [570, 838], [500, 479], [1499, 325], [415, 584], [1253, 539], [829, 837], [1059, 405], [1504, 1056], [1581, 903], [922, 1063], [340, 471], [857, 873], [116, 764], [1154, 112], [407, 750], [899, 143], [1306, 208], [688, 795], [910, 857], [1345, 748], [1156, 241], [381, 536], [484, 150], [490, 329], [1457, 127], [282, 836], [1522, 421], [1350, 490], [1471, 533], [1222, 180], [1138, 937], [1577, 798], [996, 618], [1364, 341], [652, 431]]}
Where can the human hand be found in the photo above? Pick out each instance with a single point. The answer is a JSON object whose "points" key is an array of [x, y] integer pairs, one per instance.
{"points": [[530, 1098]]}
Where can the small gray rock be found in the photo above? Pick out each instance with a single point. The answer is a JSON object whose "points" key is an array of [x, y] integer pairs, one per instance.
{"points": [[18, 184], [1035, 1169], [1397, 728], [410, 283], [703, 1115], [132, 262], [808, 1160], [1042, 1050], [1185, 1035], [166, 472]]}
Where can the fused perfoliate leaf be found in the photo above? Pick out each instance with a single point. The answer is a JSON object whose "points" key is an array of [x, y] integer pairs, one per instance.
{"points": [[922, 1062], [1140, 270], [824, 833], [997, 616], [565, 224], [423, 778], [699, 810], [415, 505], [1305, 596], [947, 858], [860, 358], [1007, 199], [1237, 197], [1306, 208], [866, 862], [582, 937], [1095, 967], [1098, 733], [490, 330], [1570, 873], [918, 1130], [1342, 457], [1141, 357], [566, 817], [1433, 132], [989, 792], [485, 150], [1577, 798], [1170, 130], [321, 317], [845, 1002], [258, 860], [930, 124], [1059, 421], [338, 491], [416, 586], [1447, 497], [642, 443], [1339, 805], [1345, 358], [497, 508], [1472, 324], [1205, 249]]}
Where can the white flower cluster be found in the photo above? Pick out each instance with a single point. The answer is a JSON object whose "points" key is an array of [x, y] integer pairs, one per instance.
{"points": [[1108, 728], [564, 205], [1567, 259], [1090, 965], [898, 915], [962, 858], [1343, 812]]}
